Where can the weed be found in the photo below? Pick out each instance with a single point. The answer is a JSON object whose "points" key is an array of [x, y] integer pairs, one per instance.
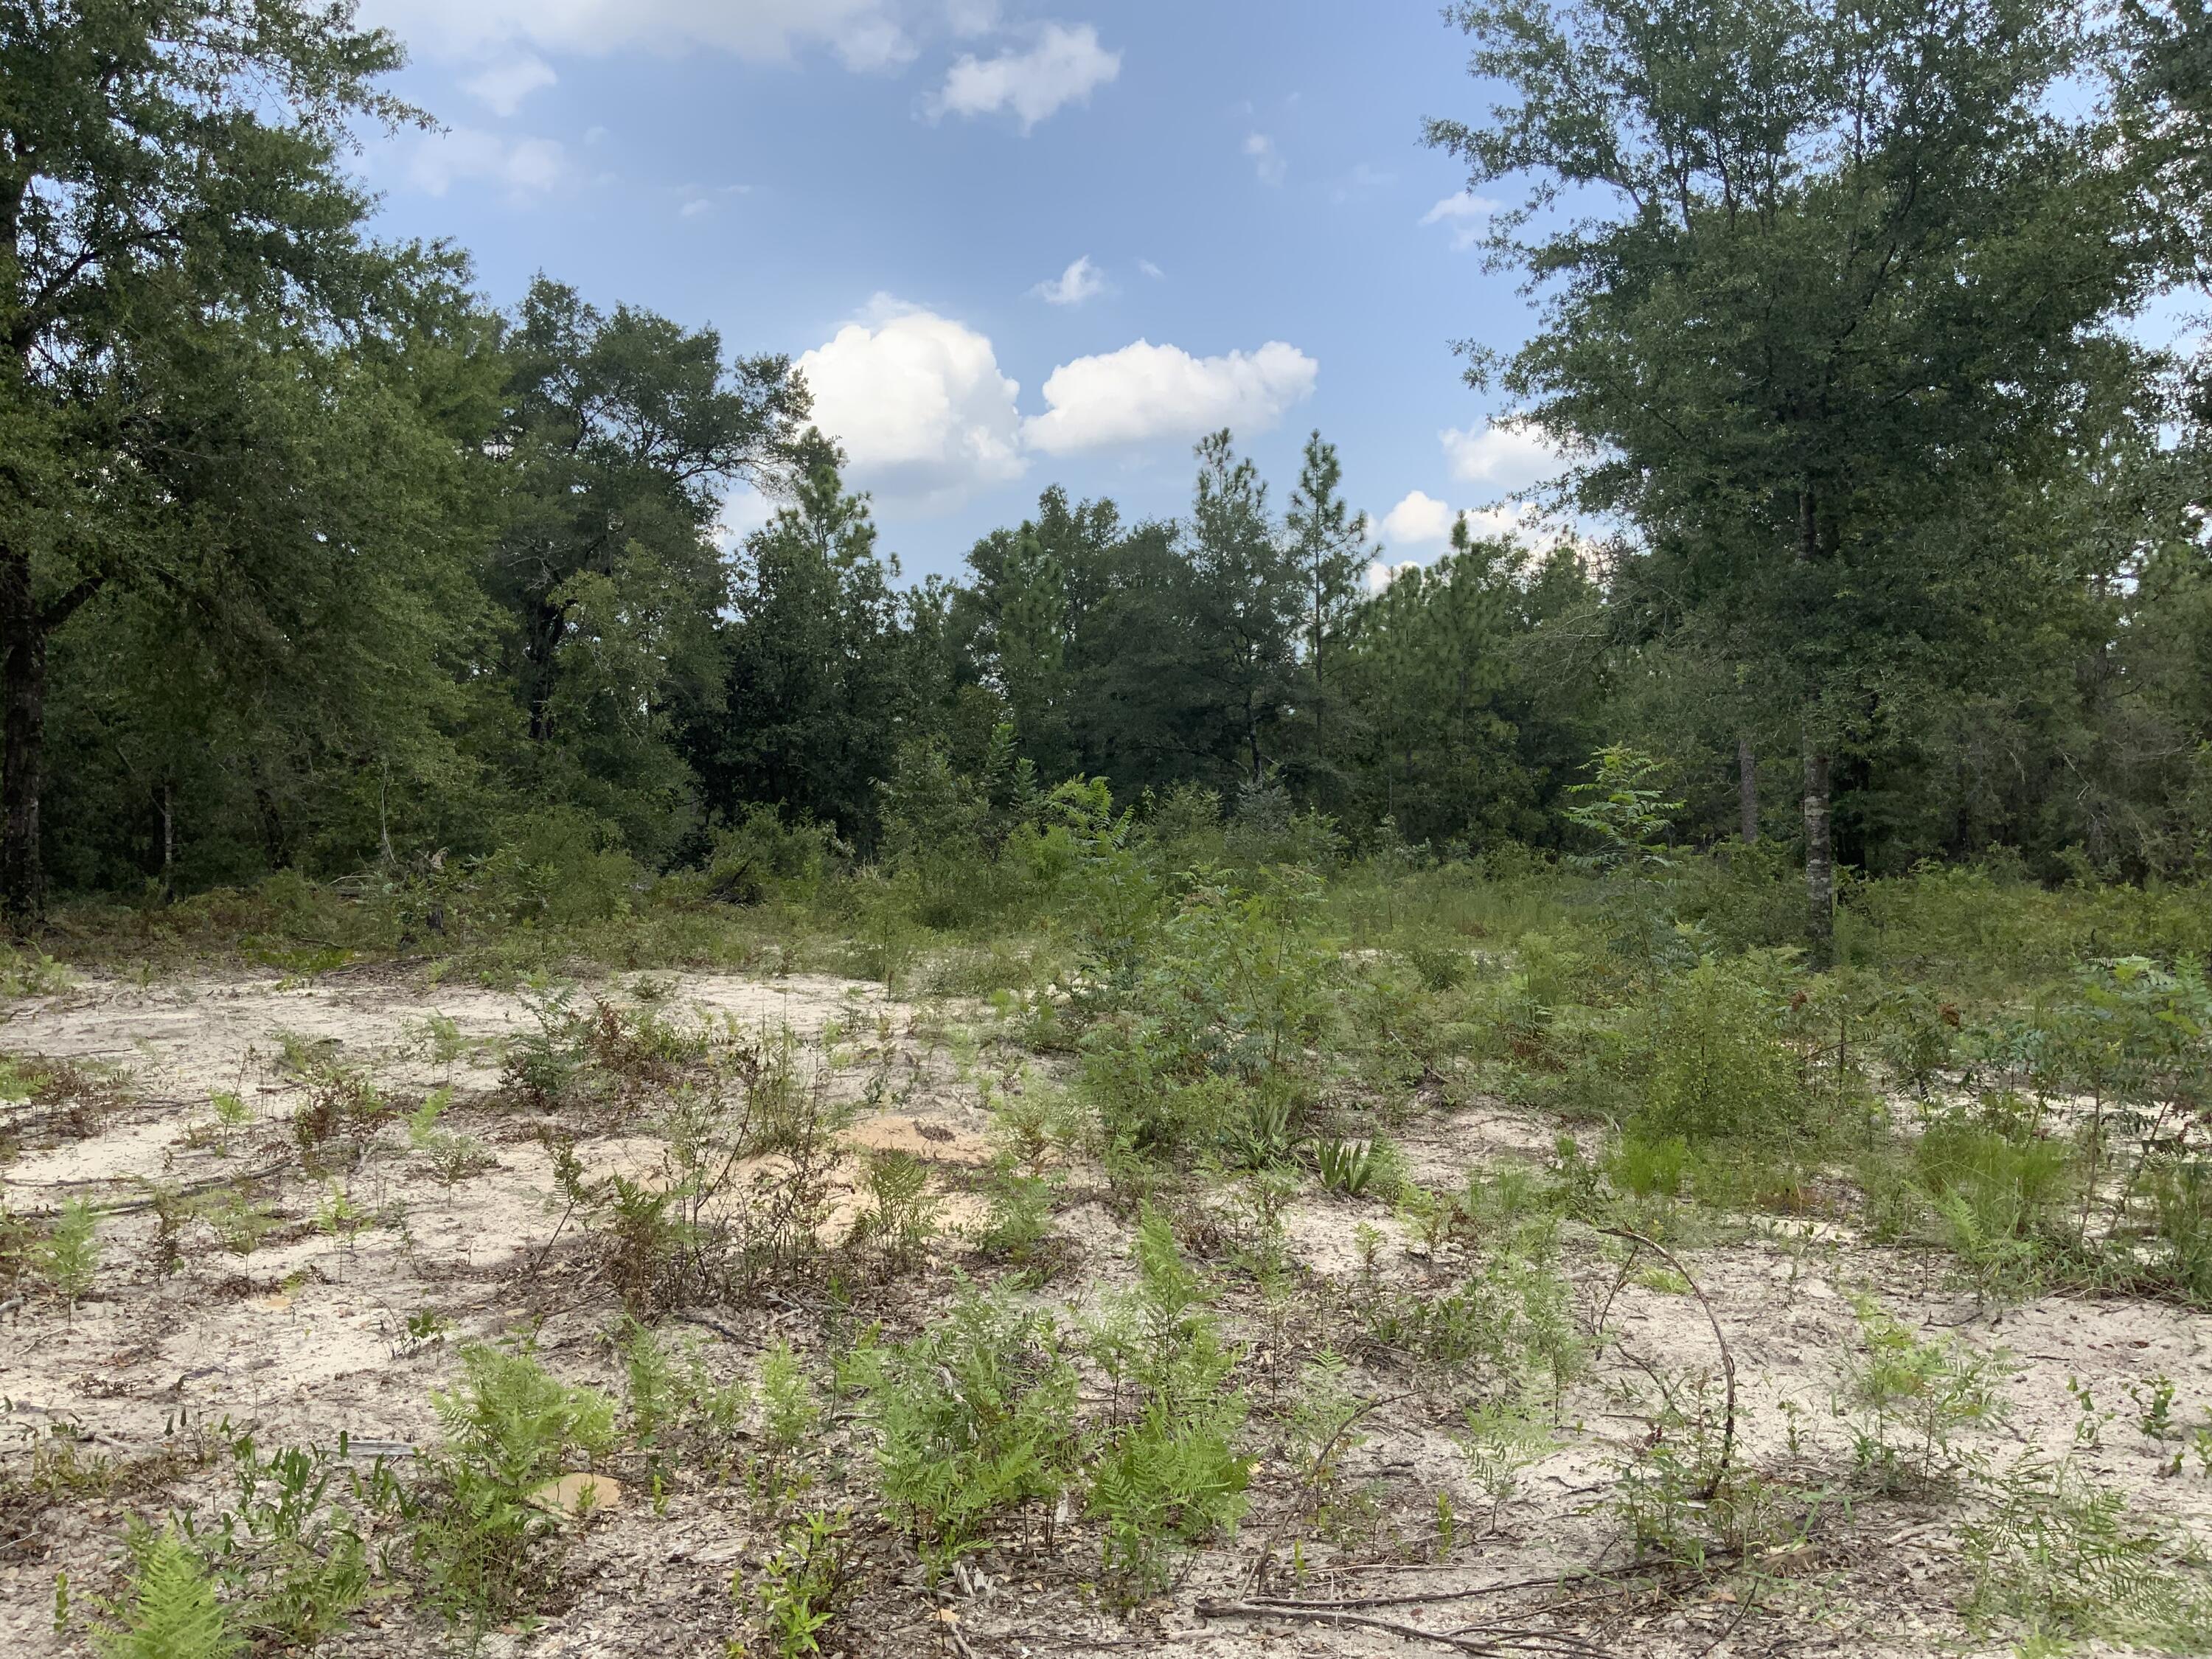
{"points": [[1501, 1439], [900, 1214], [170, 1611], [69, 1259], [2060, 1555], [800, 1586], [1347, 1166], [674, 1407], [1916, 1397], [1169, 1471], [508, 1429], [789, 1409]]}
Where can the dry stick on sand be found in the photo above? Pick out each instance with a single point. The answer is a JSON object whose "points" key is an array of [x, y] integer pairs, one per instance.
{"points": [[1728, 1359], [1497, 1641]]}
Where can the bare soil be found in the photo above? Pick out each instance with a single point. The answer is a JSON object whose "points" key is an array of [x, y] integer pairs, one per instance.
{"points": [[305, 1339]]}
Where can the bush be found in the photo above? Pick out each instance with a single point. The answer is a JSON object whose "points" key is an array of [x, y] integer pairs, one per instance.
{"points": [[1719, 1071]]}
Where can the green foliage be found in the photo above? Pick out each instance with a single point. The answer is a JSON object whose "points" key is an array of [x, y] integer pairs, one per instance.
{"points": [[673, 1407], [973, 1420], [170, 1611], [68, 1257], [1623, 810], [510, 1428], [797, 1592], [2060, 1557], [1916, 1398], [789, 1409], [1166, 1470], [1719, 1069]]}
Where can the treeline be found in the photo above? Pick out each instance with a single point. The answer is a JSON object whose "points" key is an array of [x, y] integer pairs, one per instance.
{"points": [[309, 559]]}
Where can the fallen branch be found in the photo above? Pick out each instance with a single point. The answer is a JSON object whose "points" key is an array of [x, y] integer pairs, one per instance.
{"points": [[1505, 1642], [1728, 1359]]}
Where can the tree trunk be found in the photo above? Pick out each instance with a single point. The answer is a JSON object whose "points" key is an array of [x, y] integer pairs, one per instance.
{"points": [[23, 687], [1747, 786], [168, 843], [1820, 863]]}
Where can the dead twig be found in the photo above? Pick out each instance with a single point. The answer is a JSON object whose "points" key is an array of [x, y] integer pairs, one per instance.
{"points": [[1497, 1641], [1728, 1359]]}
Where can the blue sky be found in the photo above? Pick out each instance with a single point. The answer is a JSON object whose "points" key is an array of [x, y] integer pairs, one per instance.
{"points": [[1152, 219]]}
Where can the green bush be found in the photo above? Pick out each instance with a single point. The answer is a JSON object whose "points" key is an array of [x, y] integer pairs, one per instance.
{"points": [[1718, 1069]]}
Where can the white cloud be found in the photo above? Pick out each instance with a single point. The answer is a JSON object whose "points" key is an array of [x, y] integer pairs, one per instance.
{"points": [[1419, 521], [1065, 66], [1267, 161], [1505, 453], [1080, 282], [504, 86], [919, 404], [1151, 269], [971, 17], [524, 166], [1466, 213], [1363, 178], [866, 33], [1381, 574], [1144, 392]]}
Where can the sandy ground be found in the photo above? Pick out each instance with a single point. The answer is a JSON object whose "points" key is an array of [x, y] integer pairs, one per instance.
{"points": [[305, 1339]]}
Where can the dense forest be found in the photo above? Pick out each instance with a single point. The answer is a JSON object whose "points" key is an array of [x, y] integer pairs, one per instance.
{"points": [[1883, 528]]}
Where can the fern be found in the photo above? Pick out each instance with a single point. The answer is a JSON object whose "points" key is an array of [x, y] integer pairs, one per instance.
{"points": [[973, 1418], [172, 1611]]}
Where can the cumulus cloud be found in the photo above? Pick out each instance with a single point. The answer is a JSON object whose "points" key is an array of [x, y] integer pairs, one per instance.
{"points": [[866, 34], [1064, 66], [1504, 453], [1080, 282], [504, 86], [1267, 161], [1466, 213], [1145, 391], [524, 167], [1417, 520], [919, 404]]}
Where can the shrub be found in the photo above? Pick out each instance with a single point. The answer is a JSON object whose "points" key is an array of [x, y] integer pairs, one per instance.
{"points": [[1718, 1069]]}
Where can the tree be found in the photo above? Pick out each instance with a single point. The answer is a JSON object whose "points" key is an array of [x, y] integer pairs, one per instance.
{"points": [[820, 674], [1245, 595], [1328, 542], [622, 432], [166, 166], [1812, 270]]}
